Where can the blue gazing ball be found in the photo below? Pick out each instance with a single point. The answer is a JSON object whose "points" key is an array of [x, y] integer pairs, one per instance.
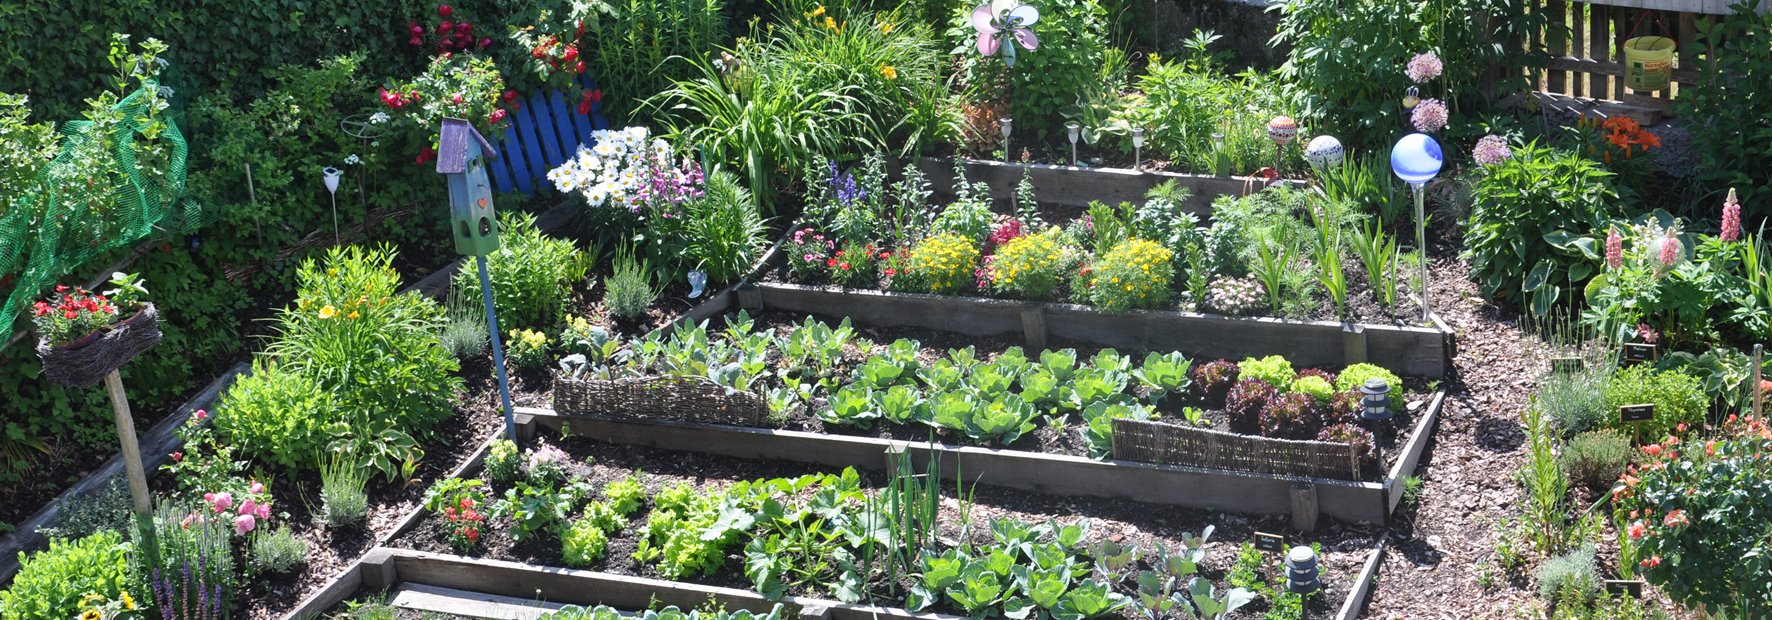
{"points": [[1416, 158]]}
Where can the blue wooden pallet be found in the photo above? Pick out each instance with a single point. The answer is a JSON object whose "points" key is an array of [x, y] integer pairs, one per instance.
{"points": [[545, 131]]}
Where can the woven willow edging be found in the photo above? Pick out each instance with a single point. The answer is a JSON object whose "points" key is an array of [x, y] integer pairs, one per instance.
{"points": [[89, 363], [1170, 444], [682, 399]]}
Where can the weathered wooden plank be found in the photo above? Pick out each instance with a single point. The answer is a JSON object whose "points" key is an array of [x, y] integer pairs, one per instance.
{"points": [[1704, 7], [1579, 83], [1413, 448], [336, 591], [426, 598], [1607, 68], [1556, 43], [1065, 185], [1600, 46], [1356, 596]]}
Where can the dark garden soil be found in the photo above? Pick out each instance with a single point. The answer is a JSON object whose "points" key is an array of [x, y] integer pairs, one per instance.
{"points": [[1145, 525]]}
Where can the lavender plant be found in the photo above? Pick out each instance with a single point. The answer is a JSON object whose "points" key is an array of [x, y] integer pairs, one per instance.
{"points": [[185, 556]]}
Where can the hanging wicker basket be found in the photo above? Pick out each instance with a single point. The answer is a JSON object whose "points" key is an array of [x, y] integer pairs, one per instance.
{"points": [[87, 360], [668, 398]]}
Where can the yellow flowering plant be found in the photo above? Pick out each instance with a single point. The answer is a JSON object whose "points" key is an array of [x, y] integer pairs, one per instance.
{"points": [[945, 263], [528, 348], [1135, 274], [1030, 266]]}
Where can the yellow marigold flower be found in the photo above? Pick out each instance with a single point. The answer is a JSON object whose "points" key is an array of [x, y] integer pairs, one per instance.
{"points": [[889, 72], [328, 312], [128, 601]]}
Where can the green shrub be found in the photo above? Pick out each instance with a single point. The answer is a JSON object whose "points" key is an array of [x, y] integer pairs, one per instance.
{"points": [[1594, 459], [1273, 370], [1701, 535], [343, 499], [1030, 266], [1677, 396], [628, 292], [375, 352], [106, 508], [1073, 52], [1135, 274], [278, 414], [945, 262], [1352, 377], [723, 232], [1537, 193], [530, 272], [1314, 386], [50, 583], [278, 551], [503, 463], [1569, 575], [583, 543], [527, 348], [1575, 401], [464, 327]]}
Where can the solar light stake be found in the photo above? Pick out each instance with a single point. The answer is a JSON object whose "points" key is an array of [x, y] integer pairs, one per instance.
{"points": [[1073, 130], [1008, 126], [331, 177], [1137, 147]]}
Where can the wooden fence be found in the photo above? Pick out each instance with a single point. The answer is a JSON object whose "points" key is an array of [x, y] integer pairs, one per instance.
{"points": [[545, 131], [1587, 61]]}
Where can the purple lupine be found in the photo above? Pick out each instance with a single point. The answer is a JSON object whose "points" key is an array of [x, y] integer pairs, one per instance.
{"points": [[1614, 249]]}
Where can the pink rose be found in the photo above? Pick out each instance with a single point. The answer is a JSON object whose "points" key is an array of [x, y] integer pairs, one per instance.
{"points": [[222, 501], [255, 488], [248, 507], [244, 524], [264, 510]]}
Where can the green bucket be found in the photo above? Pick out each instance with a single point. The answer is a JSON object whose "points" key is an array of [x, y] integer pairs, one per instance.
{"points": [[1648, 63]]}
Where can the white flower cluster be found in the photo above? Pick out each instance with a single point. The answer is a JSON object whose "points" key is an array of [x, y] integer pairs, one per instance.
{"points": [[612, 172], [1236, 296]]}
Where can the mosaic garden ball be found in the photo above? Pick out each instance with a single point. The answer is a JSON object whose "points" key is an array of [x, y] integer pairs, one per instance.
{"points": [[1282, 130], [1416, 158], [1324, 152]]}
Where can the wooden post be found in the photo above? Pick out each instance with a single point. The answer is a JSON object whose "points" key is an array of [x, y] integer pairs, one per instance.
{"points": [[132, 456], [1304, 506], [1353, 344], [1033, 328]]}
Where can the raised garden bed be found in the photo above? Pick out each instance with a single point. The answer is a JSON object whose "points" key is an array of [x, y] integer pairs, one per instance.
{"points": [[1408, 351]]}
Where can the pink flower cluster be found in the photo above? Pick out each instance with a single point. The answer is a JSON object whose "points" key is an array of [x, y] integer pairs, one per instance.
{"points": [[1731, 218], [670, 184], [256, 507], [1004, 232], [1614, 249], [1670, 249], [1424, 67], [1492, 150], [1429, 116]]}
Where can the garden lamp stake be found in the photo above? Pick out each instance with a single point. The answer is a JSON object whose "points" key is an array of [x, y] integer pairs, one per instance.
{"points": [[1415, 159], [1421, 243], [330, 176], [132, 454], [498, 351], [1759, 388]]}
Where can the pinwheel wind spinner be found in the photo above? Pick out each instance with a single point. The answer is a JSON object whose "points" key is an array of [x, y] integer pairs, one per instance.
{"points": [[1003, 19]]}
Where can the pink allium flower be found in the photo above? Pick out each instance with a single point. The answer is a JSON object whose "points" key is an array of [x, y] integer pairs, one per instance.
{"points": [[1731, 218], [1614, 249], [1670, 249], [1424, 67], [244, 524], [1429, 116], [1492, 150]]}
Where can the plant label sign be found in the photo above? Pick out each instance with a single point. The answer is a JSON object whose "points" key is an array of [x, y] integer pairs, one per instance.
{"points": [[1636, 413], [1566, 365], [1633, 587], [1269, 542], [1636, 353]]}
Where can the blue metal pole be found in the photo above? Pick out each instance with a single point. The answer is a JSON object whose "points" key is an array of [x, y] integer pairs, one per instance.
{"points": [[498, 350]]}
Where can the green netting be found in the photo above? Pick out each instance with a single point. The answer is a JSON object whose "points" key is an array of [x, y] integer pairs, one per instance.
{"points": [[109, 186]]}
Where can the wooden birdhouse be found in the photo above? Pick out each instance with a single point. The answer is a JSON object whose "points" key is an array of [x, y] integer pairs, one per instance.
{"points": [[461, 155]]}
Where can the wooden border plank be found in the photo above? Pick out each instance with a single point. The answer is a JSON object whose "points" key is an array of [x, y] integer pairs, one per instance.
{"points": [[1065, 185], [1412, 451], [1356, 597]]}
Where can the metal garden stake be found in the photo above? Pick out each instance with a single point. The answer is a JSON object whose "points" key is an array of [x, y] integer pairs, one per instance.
{"points": [[1416, 159], [461, 156]]}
